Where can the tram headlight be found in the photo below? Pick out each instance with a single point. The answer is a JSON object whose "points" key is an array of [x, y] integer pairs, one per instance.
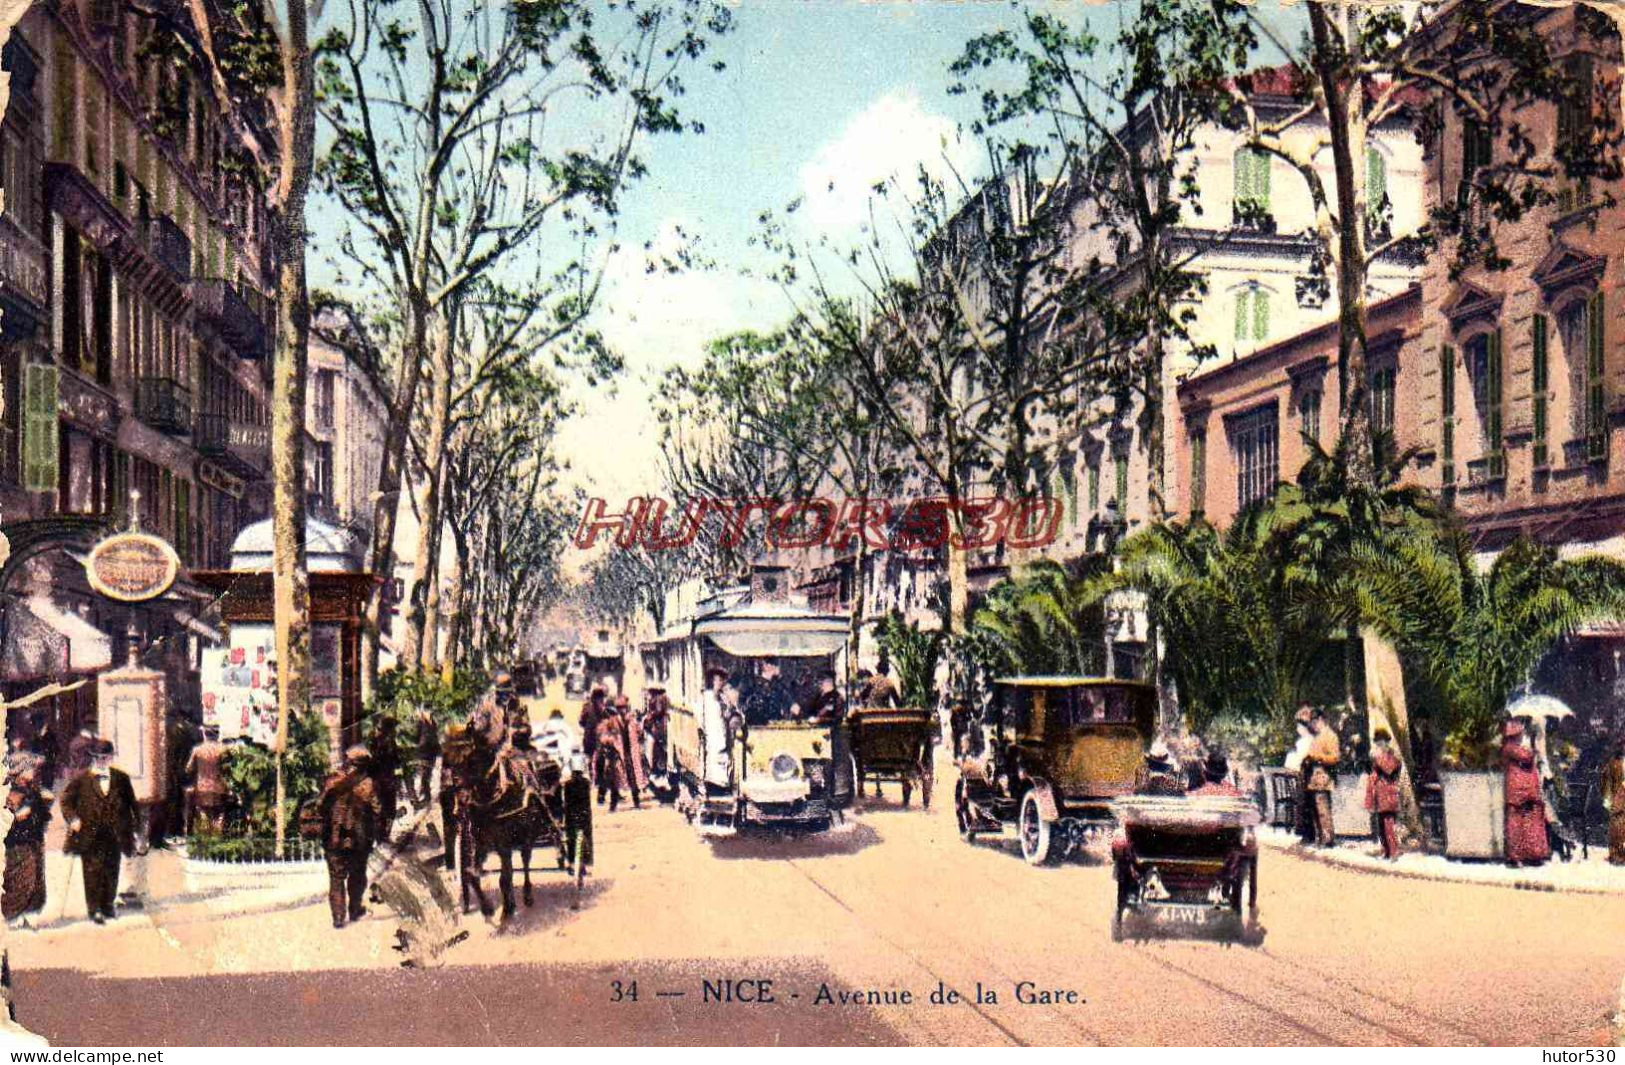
{"points": [[784, 767]]}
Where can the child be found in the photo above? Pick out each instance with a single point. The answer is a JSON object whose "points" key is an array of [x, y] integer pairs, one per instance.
{"points": [[1382, 791]]}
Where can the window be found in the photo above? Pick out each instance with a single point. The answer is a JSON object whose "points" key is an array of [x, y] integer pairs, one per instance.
{"points": [[1252, 314], [1255, 445], [1477, 147], [1539, 387], [1309, 413], [40, 441], [1482, 356], [1381, 397], [1198, 472], [1094, 485], [322, 475], [1120, 468], [1252, 185], [1376, 179], [1447, 416], [322, 395], [1576, 114], [1574, 331]]}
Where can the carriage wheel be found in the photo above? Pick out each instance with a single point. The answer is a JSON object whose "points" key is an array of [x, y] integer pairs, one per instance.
{"points": [[1035, 831], [857, 782], [962, 813]]}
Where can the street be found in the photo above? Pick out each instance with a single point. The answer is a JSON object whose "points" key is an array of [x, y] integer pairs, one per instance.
{"points": [[896, 903]]}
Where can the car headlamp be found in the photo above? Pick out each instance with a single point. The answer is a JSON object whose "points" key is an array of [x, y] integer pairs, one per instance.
{"points": [[784, 767]]}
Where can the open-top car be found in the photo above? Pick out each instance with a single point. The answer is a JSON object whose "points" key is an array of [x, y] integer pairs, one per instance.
{"points": [[1049, 757], [1187, 861]]}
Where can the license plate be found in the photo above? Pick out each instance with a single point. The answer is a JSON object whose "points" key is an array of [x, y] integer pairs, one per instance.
{"points": [[1176, 914]]}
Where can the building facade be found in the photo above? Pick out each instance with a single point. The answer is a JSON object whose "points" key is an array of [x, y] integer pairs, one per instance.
{"points": [[134, 273]]}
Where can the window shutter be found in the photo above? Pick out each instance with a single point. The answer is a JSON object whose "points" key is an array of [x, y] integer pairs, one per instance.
{"points": [[1242, 318], [1198, 473], [1121, 462], [1261, 180], [1094, 486], [40, 436], [1243, 176], [1596, 414], [1539, 386], [1447, 414], [1376, 178], [1261, 314], [1492, 414]]}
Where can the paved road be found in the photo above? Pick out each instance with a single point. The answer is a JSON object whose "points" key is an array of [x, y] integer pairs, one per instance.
{"points": [[897, 903]]}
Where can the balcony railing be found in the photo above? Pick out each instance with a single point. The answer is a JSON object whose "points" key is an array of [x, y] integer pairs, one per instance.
{"points": [[243, 447], [168, 244], [228, 313], [164, 404]]}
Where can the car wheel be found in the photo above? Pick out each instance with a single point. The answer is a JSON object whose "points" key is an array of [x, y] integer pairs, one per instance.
{"points": [[1035, 831]]}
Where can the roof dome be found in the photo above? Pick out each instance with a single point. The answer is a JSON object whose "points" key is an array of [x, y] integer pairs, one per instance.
{"points": [[327, 549]]}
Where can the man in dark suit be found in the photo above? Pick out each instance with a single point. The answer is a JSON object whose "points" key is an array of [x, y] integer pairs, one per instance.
{"points": [[350, 810], [99, 807]]}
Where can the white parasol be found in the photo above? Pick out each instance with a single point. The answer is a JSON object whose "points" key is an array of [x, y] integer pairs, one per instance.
{"points": [[1538, 706]]}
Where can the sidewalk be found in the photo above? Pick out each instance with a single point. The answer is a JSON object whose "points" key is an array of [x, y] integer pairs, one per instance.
{"points": [[1587, 877]]}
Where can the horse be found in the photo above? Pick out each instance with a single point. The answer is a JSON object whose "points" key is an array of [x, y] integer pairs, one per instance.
{"points": [[506, 799]]}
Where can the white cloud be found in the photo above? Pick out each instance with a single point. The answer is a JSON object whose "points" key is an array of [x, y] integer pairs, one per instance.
{"points": [[890, 139]]}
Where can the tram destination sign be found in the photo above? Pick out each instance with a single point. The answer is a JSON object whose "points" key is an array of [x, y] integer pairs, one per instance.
{"points": [[132, 567]]}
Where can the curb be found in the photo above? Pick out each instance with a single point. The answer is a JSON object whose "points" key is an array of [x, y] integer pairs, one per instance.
{"points": [[1520, 884]]}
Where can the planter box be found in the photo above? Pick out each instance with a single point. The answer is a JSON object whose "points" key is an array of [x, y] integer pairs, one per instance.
{"points": [[1350, 818], [1474, 814]]}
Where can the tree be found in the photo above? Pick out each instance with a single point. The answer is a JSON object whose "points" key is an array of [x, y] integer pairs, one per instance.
{"points": [[1365, 65], [1044, 621], [1478, 634], [454, 149]]}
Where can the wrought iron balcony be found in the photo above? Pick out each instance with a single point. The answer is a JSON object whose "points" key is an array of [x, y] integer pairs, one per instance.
{"points": [[244, 448], [223, 308], [164, 404], [169, 245]]}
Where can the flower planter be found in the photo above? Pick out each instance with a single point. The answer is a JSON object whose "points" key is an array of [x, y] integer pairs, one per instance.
{"points": [[1474, 814], [1350, 818]]}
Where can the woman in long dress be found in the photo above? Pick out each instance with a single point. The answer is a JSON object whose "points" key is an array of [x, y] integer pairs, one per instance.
{"points": [[1613, 800], [1526, 842], [30, 807]]}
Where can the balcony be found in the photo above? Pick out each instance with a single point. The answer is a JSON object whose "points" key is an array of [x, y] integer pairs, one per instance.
{"points": [[164, 404], [169, 245], [225, 311], [243, 448]]}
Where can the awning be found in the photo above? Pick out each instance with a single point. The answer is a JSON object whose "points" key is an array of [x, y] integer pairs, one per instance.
{"points": [[43, 640], [762, 644]]}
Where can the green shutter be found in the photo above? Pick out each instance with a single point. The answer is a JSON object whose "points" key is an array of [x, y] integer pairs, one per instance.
{"points": [[1539, 386], [40, 429], [1447, 414], [1376, 178], [1596, 414], [1261, 314], [1243, 174], [1261, 181], [1094, 486], [1243, 319], [1121, 462], [1492, 414]]}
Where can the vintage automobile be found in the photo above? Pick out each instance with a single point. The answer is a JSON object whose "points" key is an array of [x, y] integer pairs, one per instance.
{"points": [[1049, 759], [739, 767], [1186, 861], [892, 745]]}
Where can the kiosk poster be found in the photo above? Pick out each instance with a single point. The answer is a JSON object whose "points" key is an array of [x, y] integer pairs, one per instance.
{"points": [[827, 523]]}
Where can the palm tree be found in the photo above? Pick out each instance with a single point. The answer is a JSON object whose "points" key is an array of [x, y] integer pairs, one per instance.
{"points": [[1477, 633], [1235, 645], [1044, 621]]}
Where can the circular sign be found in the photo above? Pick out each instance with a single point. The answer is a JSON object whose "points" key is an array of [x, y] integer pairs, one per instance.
{"points": [[132, 567]]}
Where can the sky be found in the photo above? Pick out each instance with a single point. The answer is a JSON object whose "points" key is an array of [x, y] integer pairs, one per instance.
{"points": [[821, 99]]}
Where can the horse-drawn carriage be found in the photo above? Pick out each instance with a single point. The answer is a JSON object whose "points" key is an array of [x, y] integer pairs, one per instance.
{"points": [[504, 797], [1189, 861], [892, 745]]}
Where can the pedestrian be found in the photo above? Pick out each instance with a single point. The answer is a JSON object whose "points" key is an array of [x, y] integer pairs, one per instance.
{"points": [[882, 691], [1382, 791], [592, 712], [1321, 763], [100, 809], [29, 802], [609, 762], [1216, 777], [205, 769], [1526, 842], [1613, 800], [183, 738], [82, 750], [656, 726], [578, 815], [716, 730], [350, 811], [386, 766], [1296, 761], [428, 750], [635, 772]]}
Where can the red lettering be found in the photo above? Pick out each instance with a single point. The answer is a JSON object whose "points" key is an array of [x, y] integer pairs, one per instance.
{"points": [[654, 534], [923, 524], [981, 523], [862, 517], [626, 526], [791, 514], [1023, 531]]}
